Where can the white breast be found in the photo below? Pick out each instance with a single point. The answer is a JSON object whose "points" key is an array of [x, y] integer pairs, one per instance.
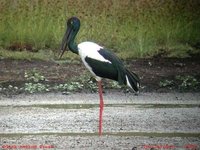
{"points": [[91, 49]]}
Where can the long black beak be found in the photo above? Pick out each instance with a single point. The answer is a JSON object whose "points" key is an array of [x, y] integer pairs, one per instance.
{"points": [[65, 41]]}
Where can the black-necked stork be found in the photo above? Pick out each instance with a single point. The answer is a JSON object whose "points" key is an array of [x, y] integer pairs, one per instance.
{"points": [[99, 61]]}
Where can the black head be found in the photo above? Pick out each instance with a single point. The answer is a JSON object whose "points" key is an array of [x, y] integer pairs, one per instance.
{"points": [[73, 26], [73, 23]]}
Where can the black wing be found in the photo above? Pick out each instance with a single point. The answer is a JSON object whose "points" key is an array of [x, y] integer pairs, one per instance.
{"points": [[114, 70]]}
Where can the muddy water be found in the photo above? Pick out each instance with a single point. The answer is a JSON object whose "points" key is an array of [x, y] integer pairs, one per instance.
{"points": [[88, 106], [68, 122]]}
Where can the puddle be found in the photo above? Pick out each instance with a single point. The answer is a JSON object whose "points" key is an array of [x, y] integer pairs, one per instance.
{"points": [[89, 106], [146, 134]]}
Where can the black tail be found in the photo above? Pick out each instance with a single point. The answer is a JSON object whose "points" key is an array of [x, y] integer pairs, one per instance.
{"points": [[132, 80]]}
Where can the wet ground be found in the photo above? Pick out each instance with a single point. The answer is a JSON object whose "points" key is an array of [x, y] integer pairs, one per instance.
{"points": [[151, 71], [57, 121]]}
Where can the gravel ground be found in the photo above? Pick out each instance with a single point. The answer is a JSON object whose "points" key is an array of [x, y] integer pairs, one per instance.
{"points": [[56, 121]]}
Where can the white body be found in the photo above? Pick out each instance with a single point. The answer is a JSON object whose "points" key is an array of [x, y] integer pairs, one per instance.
{"points": [[90, 49]]}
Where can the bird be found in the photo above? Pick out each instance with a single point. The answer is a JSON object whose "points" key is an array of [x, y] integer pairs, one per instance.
{"points": [[101, 62]]}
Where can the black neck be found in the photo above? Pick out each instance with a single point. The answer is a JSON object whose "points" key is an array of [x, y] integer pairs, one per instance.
{"points": [[73, 46]]}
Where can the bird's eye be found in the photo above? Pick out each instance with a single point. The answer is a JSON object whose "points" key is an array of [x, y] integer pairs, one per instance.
{"points": [[71, 22]]}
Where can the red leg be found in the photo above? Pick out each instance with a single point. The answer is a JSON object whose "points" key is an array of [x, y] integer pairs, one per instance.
{"points": [[101, 105]]}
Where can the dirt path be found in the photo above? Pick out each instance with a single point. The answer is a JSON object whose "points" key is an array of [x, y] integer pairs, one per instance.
{"points": [[71, 121]]}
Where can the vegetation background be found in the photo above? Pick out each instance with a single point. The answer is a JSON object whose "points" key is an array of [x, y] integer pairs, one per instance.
{"points": [[131, 28]]}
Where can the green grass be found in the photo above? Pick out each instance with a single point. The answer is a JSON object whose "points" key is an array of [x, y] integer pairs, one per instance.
{"points": [[182, 83], [129, 28], [25, 55]]}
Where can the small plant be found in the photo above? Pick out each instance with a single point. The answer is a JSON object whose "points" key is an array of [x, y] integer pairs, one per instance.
{"points": [[61, 87], [33, 85], [34, 76], [75, 86], [114, 85], [10, 89], [166, 83], [37, 83], [182, 83], [72, 86], [87, 82], [187, 82], [91, 85]]}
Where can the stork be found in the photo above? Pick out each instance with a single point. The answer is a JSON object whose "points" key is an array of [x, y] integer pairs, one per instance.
{"points": [[99, 61]]}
